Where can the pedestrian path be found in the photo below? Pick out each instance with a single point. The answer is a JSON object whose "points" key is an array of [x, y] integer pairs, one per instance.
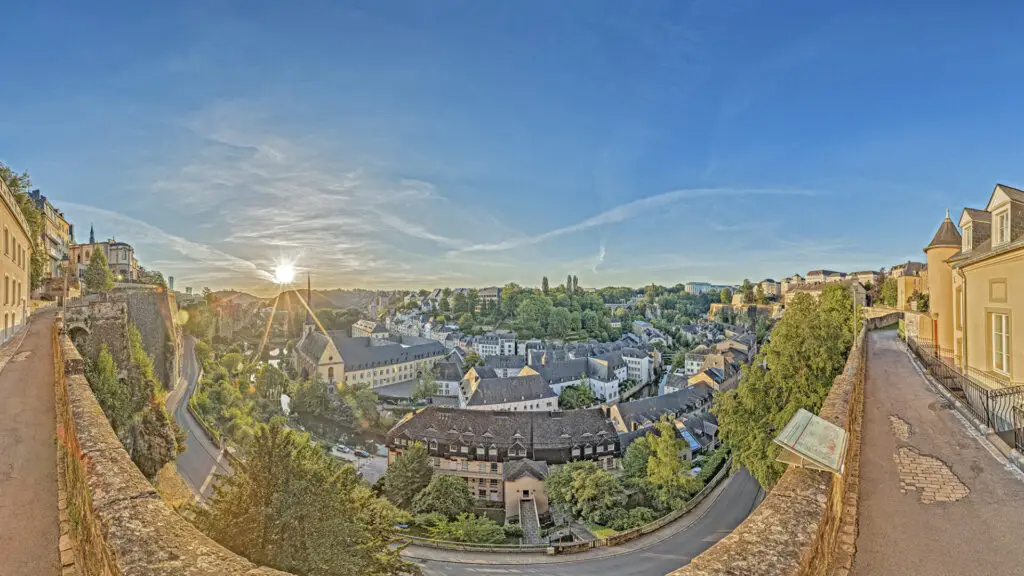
{"points": [[29, 527], [935, 498], [529, 522]]}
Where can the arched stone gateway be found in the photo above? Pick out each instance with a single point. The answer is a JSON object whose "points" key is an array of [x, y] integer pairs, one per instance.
{"points": [[78, 335]]}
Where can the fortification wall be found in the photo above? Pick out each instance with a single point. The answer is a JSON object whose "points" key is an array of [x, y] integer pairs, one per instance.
{"points": [[120, 525], [808, 523]]}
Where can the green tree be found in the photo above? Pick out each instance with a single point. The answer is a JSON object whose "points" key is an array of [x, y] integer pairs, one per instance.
{"points": [[748, 291], [445, 495], [466, 321], [532, 316], [444, 306], [559, 322], [427, 385], [544, 287], [98, 277], [20, 185], [807, 350], [584, 490], [151, 438], [468, 528], [576, 396], [890, 292], [726, 296], [472, 359], [409, 475], [634, 462], [293, 508], [112, 395], [759, 295], [679, 360], [668, 474]]}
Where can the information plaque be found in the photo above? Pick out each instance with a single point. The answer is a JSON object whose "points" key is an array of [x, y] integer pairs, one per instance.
{"points": [[811, 442]]}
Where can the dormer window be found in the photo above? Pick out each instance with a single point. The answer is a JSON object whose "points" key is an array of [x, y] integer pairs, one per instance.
{"points": [[968, 238], [1002, 227]]}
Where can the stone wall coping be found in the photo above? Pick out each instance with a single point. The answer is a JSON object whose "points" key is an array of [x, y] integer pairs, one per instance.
{"points": [[144, 535]]}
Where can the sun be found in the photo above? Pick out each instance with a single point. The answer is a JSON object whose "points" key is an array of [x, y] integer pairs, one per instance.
{"points": [[284, 273]]}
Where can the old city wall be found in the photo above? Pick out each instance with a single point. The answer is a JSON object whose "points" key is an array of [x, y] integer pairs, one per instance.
{"points": [[151, 311], [808, 523], [96, 320], [119, 524]]}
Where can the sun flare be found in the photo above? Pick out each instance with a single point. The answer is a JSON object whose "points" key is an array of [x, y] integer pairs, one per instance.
{"points": [[284, 273]]}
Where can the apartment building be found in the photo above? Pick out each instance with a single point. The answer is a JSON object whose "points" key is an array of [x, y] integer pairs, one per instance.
{"points": [[976, 285], [369, 329], [771, 288], [15, 263], [516, 394], [485, 447], [57, 235]]}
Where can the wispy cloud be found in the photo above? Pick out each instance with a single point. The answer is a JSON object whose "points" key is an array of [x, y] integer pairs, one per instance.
{"points": [[143, 233], [600, 256], [628, 211]]}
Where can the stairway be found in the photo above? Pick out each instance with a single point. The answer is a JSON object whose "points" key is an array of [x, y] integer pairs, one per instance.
{"points": [[529, 521]]}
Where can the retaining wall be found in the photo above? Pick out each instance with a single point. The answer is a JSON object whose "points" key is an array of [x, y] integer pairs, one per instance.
{"points": [[120, 524], [807, 524]]}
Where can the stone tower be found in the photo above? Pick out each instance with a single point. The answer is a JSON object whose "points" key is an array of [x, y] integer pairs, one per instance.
{"points": [[309, 325], [944, 244]]}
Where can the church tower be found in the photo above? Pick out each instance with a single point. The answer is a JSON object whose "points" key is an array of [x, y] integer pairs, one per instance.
{"points": [[310, 325]]}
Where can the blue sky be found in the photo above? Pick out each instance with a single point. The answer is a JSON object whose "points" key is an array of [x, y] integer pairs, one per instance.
{"points": [[409, 144]]}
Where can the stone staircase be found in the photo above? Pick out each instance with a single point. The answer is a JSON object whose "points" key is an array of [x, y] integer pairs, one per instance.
{"points": [[529, 521]]}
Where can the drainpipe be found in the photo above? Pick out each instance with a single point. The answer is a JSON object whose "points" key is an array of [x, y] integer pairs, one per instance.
{"points": [[963, 324]]}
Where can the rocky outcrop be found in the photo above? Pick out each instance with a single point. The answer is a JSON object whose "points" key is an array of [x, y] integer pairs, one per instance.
{"points": [[120, 523]]}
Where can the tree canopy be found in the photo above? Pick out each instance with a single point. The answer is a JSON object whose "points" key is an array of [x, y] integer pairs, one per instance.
{"points": [[410, 473], [293, 508], [445, 495], [807, 350], [98, 277]]}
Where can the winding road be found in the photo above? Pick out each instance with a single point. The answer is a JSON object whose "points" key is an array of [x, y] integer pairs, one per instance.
{"points": [[203, 459], [654, 555]]}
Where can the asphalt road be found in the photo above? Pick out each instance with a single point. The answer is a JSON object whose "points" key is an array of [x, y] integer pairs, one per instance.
{"points": [[202, 460], [740, 497]]}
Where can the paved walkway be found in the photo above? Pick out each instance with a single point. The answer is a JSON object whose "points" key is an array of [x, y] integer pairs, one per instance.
{"points": [[29, 528], [935, 498]]}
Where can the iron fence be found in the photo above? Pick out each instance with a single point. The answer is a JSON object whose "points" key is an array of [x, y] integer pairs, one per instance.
{"points": [[997, 403]]}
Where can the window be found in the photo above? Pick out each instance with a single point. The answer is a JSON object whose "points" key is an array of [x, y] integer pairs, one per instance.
{"points": [[7, 288], [494, 467], [968, 238], [479, 451], [330, 373], [465, 465], [1002, 231], [464, 449], [576, 451], [433, 444], [7, 241], [1001, 343], [482, 467]]}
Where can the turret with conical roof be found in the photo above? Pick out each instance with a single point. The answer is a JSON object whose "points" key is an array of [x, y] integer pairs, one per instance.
{"points": [[944, 244], [946, 236]]}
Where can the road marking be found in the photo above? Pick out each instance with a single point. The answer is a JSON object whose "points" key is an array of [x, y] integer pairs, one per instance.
{"points": [[209, 478]]}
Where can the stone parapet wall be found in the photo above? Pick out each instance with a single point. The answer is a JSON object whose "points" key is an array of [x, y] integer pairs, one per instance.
{"points": [[807, 524], [121, 525]]}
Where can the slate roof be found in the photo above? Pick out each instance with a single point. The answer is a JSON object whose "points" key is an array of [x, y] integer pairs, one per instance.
{"points": [[484, 372], [448, 372], [947, 234], [505, 362], [977, 215], [651, 409], [1014, 194], [518, 468], [313, 345], [359, 354], [503, 429], [490, 391]]}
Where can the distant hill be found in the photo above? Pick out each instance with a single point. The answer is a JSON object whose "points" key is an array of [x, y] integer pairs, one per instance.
{"points": [[243, 298], [337, 299]]}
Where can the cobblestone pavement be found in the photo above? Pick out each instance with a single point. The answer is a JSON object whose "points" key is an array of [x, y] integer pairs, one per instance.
{"points": [[935, 498], [29, 529]]}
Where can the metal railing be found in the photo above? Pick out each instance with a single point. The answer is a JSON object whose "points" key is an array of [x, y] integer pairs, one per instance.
{"points": [[1018, 428], [991, 400]]}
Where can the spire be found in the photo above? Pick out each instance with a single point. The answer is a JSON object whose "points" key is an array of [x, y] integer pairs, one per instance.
{"points": [[946, 235], [92, 237], [309, 299]]}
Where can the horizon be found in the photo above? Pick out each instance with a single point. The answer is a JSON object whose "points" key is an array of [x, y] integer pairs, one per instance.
{"points": [[383, 145]]}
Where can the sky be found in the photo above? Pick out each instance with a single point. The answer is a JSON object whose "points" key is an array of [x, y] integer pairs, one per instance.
{"points": [[413, 144]]}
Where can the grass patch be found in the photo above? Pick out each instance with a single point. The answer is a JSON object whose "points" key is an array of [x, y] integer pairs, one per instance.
{"points": [[601, 531]]}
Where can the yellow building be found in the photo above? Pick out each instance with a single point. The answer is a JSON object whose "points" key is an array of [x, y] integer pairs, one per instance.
{"points": [[15, 263], [977, 289]]}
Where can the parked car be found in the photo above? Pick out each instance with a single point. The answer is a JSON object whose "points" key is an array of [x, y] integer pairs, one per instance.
{"points": [[343, 448], [362, 453]]}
